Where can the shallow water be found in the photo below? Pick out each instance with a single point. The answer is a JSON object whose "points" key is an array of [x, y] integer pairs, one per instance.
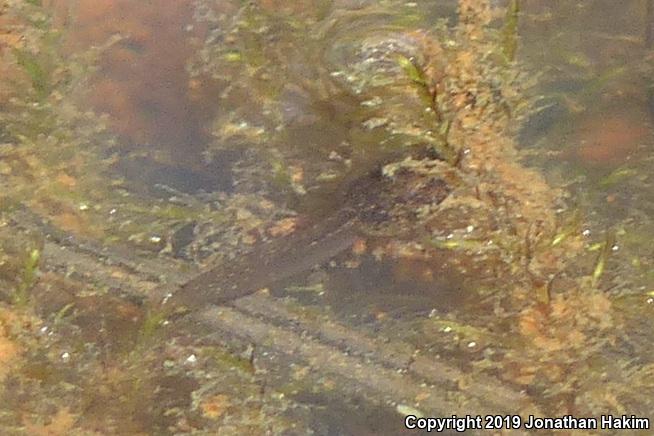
{"points": [[308, 153]]}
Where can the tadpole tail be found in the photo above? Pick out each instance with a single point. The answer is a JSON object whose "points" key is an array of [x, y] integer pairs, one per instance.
{"points": [[269, 263]]}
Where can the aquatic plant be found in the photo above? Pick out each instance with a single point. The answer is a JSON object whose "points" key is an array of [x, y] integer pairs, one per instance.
{"points": [[28, 277], [34, 68], [509, 38]]}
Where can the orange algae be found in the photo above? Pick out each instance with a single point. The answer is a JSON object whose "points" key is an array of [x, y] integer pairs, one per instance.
{"points": [[141, 81]]}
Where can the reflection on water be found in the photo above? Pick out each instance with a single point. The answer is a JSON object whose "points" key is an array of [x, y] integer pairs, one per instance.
{"points": [[355, 160]]}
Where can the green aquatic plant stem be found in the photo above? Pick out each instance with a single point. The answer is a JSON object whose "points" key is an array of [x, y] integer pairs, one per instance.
{"points": [[30, 272], [153, 321], [419, 78], [510, 31], [35, 70], [602, 258]]}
